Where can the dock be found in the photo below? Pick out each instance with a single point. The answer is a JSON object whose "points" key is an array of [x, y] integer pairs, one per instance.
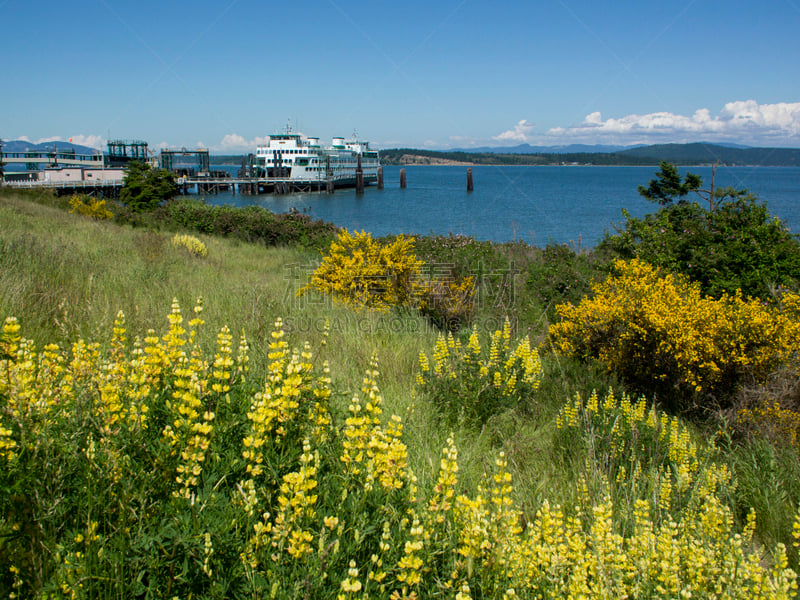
{"points": [[264, 185], [197, 184], [106, 189]]}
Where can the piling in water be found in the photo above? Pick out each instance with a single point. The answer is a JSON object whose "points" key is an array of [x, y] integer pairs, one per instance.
{"points": [[359, 177], [469, 179], [402, 179]]}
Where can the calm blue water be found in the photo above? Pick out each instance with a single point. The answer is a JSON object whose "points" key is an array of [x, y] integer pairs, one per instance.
{"points": [[539, 205]]}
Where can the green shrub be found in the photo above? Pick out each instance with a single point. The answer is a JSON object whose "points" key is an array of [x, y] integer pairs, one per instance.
{"points": [[455, 258], [735, 244], [560, 275], [250, 224]]}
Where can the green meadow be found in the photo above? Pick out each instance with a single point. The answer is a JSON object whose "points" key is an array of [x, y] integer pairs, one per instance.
{"points": [[184, 425]]}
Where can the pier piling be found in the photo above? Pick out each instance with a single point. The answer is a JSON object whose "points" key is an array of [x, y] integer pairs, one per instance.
{"points": [[380, 178], [469, 179], [359, 177], [402, 179]]}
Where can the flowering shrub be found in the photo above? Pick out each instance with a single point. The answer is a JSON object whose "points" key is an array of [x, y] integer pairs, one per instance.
{"points": [[662, 334], [190, 243], [151, 467], [471, 384], [364, 272], [360, 271], [90, 207], [771, 420]]}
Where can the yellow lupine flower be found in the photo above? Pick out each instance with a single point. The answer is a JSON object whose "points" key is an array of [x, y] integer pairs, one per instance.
{"points": [[191, 244]]}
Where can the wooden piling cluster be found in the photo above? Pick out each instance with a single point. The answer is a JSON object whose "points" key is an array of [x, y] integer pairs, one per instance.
{"points": [[250, 188]]}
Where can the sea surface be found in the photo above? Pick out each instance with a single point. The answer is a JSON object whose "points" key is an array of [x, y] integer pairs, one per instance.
{"points": [[539, 205]]}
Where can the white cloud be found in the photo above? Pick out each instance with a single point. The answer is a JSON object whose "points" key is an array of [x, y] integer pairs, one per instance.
{"points": [[744, 122], [93, 141], [234, 143], [520, 133]]}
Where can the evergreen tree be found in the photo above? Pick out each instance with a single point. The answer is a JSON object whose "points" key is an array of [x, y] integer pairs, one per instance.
{"points": [[145, 188], [668, 185]]}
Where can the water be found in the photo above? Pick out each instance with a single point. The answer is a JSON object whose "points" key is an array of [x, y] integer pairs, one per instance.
{"points": [[539, 205]]}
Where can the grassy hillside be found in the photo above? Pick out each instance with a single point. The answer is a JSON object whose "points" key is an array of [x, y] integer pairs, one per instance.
{"points": [[556, 492]]}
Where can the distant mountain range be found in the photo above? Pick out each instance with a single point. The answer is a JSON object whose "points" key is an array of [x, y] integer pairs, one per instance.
{"points": [[528, 149], [700, 153], [23, 146], [568, 149]]}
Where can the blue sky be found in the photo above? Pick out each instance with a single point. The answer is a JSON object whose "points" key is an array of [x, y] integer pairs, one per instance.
{"points": [[451, 73]]}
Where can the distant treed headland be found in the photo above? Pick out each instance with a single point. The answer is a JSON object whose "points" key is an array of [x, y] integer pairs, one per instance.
{"points": [[681, 154], [695, 154]]}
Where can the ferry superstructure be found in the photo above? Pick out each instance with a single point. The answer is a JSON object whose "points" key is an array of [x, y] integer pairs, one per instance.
{"points": [[295, 158]]}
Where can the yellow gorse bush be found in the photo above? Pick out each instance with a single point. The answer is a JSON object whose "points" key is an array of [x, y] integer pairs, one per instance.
{"points": [[90, 207], [771, 420], [164, 458], [191, 244], [361, 271], [661, 333]]}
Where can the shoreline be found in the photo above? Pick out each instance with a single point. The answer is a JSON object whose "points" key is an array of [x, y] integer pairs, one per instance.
{"points": [[687, 166]]}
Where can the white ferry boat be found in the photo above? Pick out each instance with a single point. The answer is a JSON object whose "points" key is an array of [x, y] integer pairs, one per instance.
{"points": [[296, 158]]}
